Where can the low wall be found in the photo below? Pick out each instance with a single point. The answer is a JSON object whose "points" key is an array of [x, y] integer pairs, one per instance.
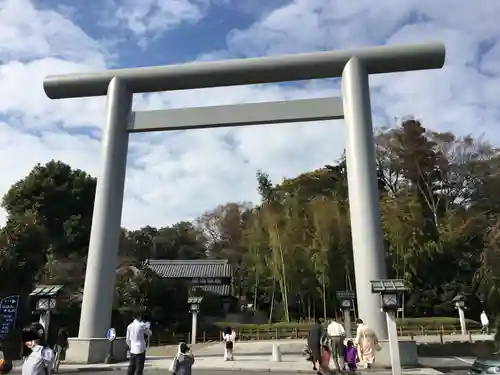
{"points": [[95, 350], [456, 349], [407, 353]]}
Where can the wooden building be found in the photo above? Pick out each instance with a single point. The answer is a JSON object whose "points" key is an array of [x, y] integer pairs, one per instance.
{"points": [[210, 275]]}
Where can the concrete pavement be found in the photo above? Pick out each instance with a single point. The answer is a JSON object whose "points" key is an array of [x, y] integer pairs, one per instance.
{"points": [[291, 346], [291, 364], [217, 372]]}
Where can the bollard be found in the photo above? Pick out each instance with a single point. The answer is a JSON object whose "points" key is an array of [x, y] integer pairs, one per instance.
{"points": [[276, 353]]}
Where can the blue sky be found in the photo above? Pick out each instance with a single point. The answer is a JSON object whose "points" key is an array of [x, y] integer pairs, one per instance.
{"points": [[177, 176]]}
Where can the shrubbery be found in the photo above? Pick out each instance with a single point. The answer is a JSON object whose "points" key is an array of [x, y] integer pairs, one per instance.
{"points": [[434, 323]]}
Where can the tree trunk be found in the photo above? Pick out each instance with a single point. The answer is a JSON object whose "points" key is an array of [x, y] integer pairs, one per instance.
{"points": [[309, 308], [272, 302], [284, 289], [324, 295], [256, 290], [349, 286]]}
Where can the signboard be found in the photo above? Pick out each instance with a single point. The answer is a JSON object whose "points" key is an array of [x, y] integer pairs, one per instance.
{"points": [[345, 294], [207, 281], [8, 314], [111, 334], [346, 303]]}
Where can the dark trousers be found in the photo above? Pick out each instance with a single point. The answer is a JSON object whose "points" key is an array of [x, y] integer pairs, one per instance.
{"points": [[136, 364]]}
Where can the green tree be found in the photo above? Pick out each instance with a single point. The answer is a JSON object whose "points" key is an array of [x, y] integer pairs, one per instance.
{"points": [[23, 248], [62, 199]]}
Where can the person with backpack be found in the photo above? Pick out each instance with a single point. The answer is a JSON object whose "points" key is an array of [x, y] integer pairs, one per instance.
{"points": [[183, 361], [40, 360]]}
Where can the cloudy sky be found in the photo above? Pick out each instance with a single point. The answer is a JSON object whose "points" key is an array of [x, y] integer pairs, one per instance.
{"points": [[176, 176]]}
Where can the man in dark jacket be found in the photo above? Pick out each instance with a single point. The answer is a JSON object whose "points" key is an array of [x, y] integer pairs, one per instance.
{"points": [[314, 339]]}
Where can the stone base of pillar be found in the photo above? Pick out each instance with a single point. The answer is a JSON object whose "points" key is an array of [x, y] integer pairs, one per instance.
{"points": [[83, 351], [407, 353]]}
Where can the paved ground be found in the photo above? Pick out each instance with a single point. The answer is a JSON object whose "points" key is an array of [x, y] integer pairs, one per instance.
{"points": [[291, 346], [155, 372], [260, 364], [218, 372], [455, 365]]}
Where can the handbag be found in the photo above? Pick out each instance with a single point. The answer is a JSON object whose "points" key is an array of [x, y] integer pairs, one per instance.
{"points": [[173, 366]]}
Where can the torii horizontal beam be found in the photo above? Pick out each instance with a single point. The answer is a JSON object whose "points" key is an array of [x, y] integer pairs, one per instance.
{"points": [[385, 59], [288, 111]]}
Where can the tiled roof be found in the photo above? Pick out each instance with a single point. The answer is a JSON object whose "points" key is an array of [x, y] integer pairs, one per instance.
{"points": [[46, 290], [221, 290], [181, 269]]}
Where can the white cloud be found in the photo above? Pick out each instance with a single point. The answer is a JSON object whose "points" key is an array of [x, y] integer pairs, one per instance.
{"points": [[153, 16], [29, 33], [173, 176], [458, 98]]}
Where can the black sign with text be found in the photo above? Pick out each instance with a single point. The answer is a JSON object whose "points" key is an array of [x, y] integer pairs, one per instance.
{"points": [[209, 281], [8, 313]]}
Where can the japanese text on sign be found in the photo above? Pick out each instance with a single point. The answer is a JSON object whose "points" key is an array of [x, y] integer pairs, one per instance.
{"points": [[206, 281], [8, 313]]}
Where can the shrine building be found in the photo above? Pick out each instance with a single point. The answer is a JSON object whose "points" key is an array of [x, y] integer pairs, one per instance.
{"points": [[210, 275]]}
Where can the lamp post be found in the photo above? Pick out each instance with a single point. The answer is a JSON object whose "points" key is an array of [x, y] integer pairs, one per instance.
{"points": [[45, 303], [390, 292], [194, 307], [459, 302], [346, 298]]}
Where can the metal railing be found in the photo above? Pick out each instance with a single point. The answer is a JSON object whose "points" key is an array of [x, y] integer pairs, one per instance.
{"points": [[277, 333]]}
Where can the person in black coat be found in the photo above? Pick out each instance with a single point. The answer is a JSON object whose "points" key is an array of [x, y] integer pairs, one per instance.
{"points": [[314, 338]]}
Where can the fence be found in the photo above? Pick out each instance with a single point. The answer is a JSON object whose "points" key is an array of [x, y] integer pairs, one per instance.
{"points": [[277, 333]]}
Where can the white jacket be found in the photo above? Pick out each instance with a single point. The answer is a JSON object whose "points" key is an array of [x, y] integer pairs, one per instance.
{"points": [[335, 330], [484, 319]]}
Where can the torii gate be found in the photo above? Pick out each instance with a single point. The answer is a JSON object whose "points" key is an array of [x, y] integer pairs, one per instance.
{"points": [[353, 66]]}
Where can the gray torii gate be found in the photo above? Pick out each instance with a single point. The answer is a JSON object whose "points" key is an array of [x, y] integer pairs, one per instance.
{"points": [[353, 66]]}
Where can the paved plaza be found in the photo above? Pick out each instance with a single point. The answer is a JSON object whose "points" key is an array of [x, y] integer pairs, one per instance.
{"points": [[255, 364]]}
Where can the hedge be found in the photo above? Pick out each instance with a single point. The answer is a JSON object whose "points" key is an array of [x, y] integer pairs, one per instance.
{"points": [[408, 323]]}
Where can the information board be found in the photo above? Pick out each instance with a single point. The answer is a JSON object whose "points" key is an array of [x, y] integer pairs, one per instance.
{"points": [[8, 314]]}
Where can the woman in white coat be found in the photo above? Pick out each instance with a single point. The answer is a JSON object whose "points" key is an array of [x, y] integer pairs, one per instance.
{"points": [[367, 342]]}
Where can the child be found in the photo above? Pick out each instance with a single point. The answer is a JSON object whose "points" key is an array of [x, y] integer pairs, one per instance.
{"points": [[351, 356], [325, 359]]}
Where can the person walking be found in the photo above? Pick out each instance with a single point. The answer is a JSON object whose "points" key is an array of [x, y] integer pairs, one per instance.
{"points": [[367, 341], [351, 356], [314, 338], [336, 336], [485, 323], [60, 347], [137, 331], [40, 360]]}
